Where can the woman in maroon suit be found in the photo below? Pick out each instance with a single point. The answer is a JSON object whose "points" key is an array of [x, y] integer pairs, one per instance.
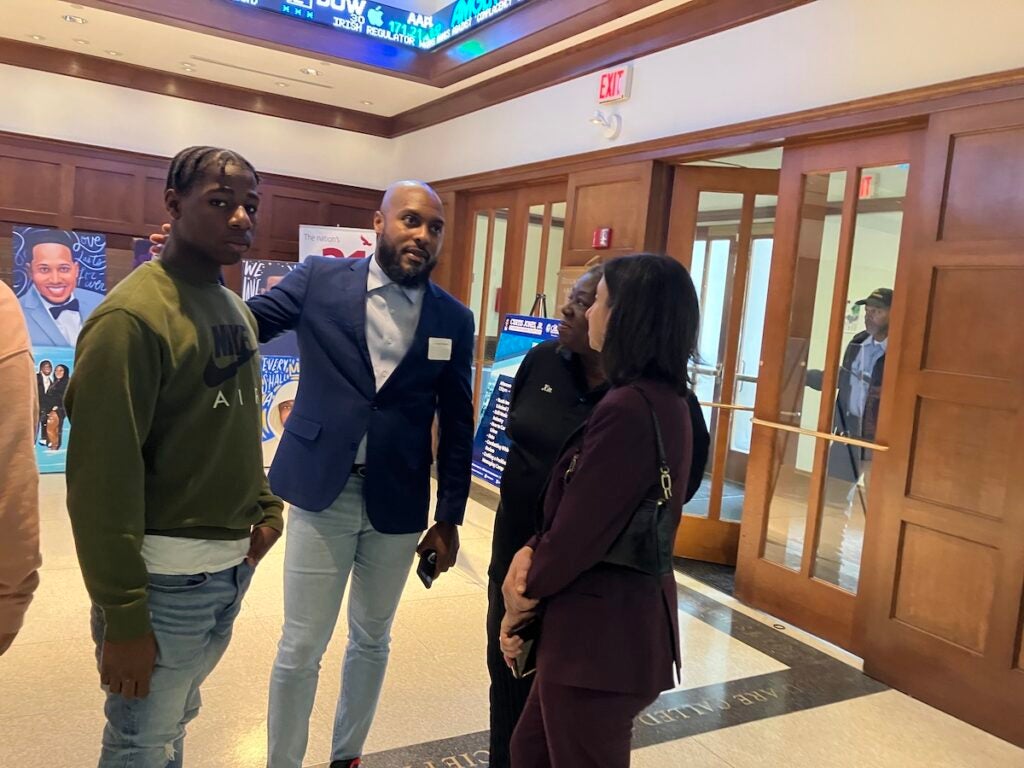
{"points": [[609, 633]]}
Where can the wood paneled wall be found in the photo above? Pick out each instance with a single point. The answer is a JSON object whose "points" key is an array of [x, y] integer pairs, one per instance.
{"points": [[73, 186], [632, 199]]}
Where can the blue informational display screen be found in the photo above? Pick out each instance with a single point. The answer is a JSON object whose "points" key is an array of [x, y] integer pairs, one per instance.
{"points": [[520, 334], [394, 25]]}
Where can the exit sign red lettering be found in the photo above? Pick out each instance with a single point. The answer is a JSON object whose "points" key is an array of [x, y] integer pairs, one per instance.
{"points": [[615, 84], [867, 187]]}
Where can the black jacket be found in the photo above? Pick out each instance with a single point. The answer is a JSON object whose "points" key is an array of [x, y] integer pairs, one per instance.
{"points": [[550, 401], [846, 423]]}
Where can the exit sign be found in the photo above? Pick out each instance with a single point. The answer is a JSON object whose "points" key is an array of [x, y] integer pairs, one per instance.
{"points": [[615, 84], [867, 187]]}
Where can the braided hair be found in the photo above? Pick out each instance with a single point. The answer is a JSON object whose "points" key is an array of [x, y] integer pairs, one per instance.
{"points": [[188, 165]]}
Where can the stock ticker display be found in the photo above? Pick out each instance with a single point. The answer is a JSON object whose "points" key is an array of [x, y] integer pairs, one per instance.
{"points": [[394, 25]]}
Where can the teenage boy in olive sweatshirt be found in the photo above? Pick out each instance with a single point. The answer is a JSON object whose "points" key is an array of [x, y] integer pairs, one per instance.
{"points": [[168, 499]]}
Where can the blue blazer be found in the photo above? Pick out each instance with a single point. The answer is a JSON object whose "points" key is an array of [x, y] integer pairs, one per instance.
{"points": [[42, 328], [324, 301]]}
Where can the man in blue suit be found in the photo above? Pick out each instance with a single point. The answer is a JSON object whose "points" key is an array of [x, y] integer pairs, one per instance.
{"points": [[383, 350], [55, 308]]}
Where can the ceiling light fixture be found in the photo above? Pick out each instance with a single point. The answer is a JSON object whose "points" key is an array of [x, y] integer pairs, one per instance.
{"points": [[37, 37], [310, 71], [80, 41], [366, 103], [74, 19], [282, 85], [612, 124], [115, 53]]}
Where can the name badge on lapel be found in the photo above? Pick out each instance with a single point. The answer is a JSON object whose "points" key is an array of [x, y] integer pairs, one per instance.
{"points": [[439, 349]]}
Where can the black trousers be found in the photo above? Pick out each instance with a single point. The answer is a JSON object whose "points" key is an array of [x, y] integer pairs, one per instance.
{"points": [[508, 695]]}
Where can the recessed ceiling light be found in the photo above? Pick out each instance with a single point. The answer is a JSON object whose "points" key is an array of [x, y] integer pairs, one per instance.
{"points": [[310, 71], [115, 53], [282, 85], [37, 37], [74, 19], [80, 41], [366, 103]]}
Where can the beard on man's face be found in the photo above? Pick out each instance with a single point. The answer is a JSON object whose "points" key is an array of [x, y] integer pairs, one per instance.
{"points": [[390, 261]]}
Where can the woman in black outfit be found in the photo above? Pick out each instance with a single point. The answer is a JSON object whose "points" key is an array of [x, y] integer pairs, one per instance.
{"points": [[556, 388]]}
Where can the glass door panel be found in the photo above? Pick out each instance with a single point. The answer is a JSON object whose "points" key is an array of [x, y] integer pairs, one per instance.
{"points": [[553, 263], [713, 269], [490, 231], [857, 394], [481, 227], [535, 229], [818, 250], [543, 260]]}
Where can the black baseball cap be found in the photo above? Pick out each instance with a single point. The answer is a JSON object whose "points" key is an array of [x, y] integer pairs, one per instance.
{"points": [[880, 297]]}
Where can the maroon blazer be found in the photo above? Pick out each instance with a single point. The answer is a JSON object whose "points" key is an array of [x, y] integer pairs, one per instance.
{"points": [[608, 628]]}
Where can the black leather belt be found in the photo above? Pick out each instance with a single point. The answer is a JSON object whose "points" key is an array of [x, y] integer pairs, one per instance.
{"points": [[359, 470]]}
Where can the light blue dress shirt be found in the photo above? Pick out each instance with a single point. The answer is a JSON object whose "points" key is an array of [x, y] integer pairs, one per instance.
{"points": [[392, 314], [861, 370]]}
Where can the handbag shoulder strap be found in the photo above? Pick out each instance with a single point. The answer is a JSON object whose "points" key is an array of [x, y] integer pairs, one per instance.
{"points": [[663, 468]]}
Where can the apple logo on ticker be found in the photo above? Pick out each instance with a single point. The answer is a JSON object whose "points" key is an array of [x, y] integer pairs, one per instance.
{"points": [[376, 16]]}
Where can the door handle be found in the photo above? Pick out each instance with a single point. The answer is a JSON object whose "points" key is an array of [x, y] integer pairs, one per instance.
{"points": [[729, 407], [821, 435]]}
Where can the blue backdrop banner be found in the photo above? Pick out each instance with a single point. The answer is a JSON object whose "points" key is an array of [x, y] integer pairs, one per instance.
{"points": [[519, 335]]}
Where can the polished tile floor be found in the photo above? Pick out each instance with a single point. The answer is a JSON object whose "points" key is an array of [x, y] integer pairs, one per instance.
{"points": [[751, 694]]}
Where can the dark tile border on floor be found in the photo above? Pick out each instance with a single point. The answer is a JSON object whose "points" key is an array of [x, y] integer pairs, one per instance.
{"points": [[720, 577], [812, 679]]}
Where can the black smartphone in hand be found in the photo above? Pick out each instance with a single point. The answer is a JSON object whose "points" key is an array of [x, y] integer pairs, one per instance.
{"points": [[427, 567]]}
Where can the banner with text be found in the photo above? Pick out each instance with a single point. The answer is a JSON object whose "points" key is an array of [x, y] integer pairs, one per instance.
{"points": [[59, 277], [280, 356], [336, 242], [519, 335]]}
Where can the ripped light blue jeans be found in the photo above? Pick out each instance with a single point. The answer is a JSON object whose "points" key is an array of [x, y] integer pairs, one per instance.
{"points": [[192, 618]]}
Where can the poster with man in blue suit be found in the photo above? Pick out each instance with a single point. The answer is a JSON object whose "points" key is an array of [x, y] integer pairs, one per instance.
{"points": [[59, 278]]}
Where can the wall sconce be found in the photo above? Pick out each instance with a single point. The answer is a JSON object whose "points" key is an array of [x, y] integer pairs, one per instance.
{"points": [[612, 124]]}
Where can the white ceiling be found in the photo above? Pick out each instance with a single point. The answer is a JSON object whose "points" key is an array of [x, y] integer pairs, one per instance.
{"points": [[162, 47]]}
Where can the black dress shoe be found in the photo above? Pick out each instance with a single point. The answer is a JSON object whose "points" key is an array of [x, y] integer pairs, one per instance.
{"points": [[355, 762]]}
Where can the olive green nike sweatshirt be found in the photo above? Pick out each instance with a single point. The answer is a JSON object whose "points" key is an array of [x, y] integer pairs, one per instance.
{"points": [[165, 410]]}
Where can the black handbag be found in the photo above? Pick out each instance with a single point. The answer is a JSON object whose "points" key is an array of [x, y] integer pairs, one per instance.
{"points": [[645, 543]]}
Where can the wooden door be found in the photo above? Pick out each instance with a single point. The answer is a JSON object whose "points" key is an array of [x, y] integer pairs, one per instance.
{"points": [[721, 227], [537, 238], [944, 585], [822, 418], [488, 220], [515, 246]]}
